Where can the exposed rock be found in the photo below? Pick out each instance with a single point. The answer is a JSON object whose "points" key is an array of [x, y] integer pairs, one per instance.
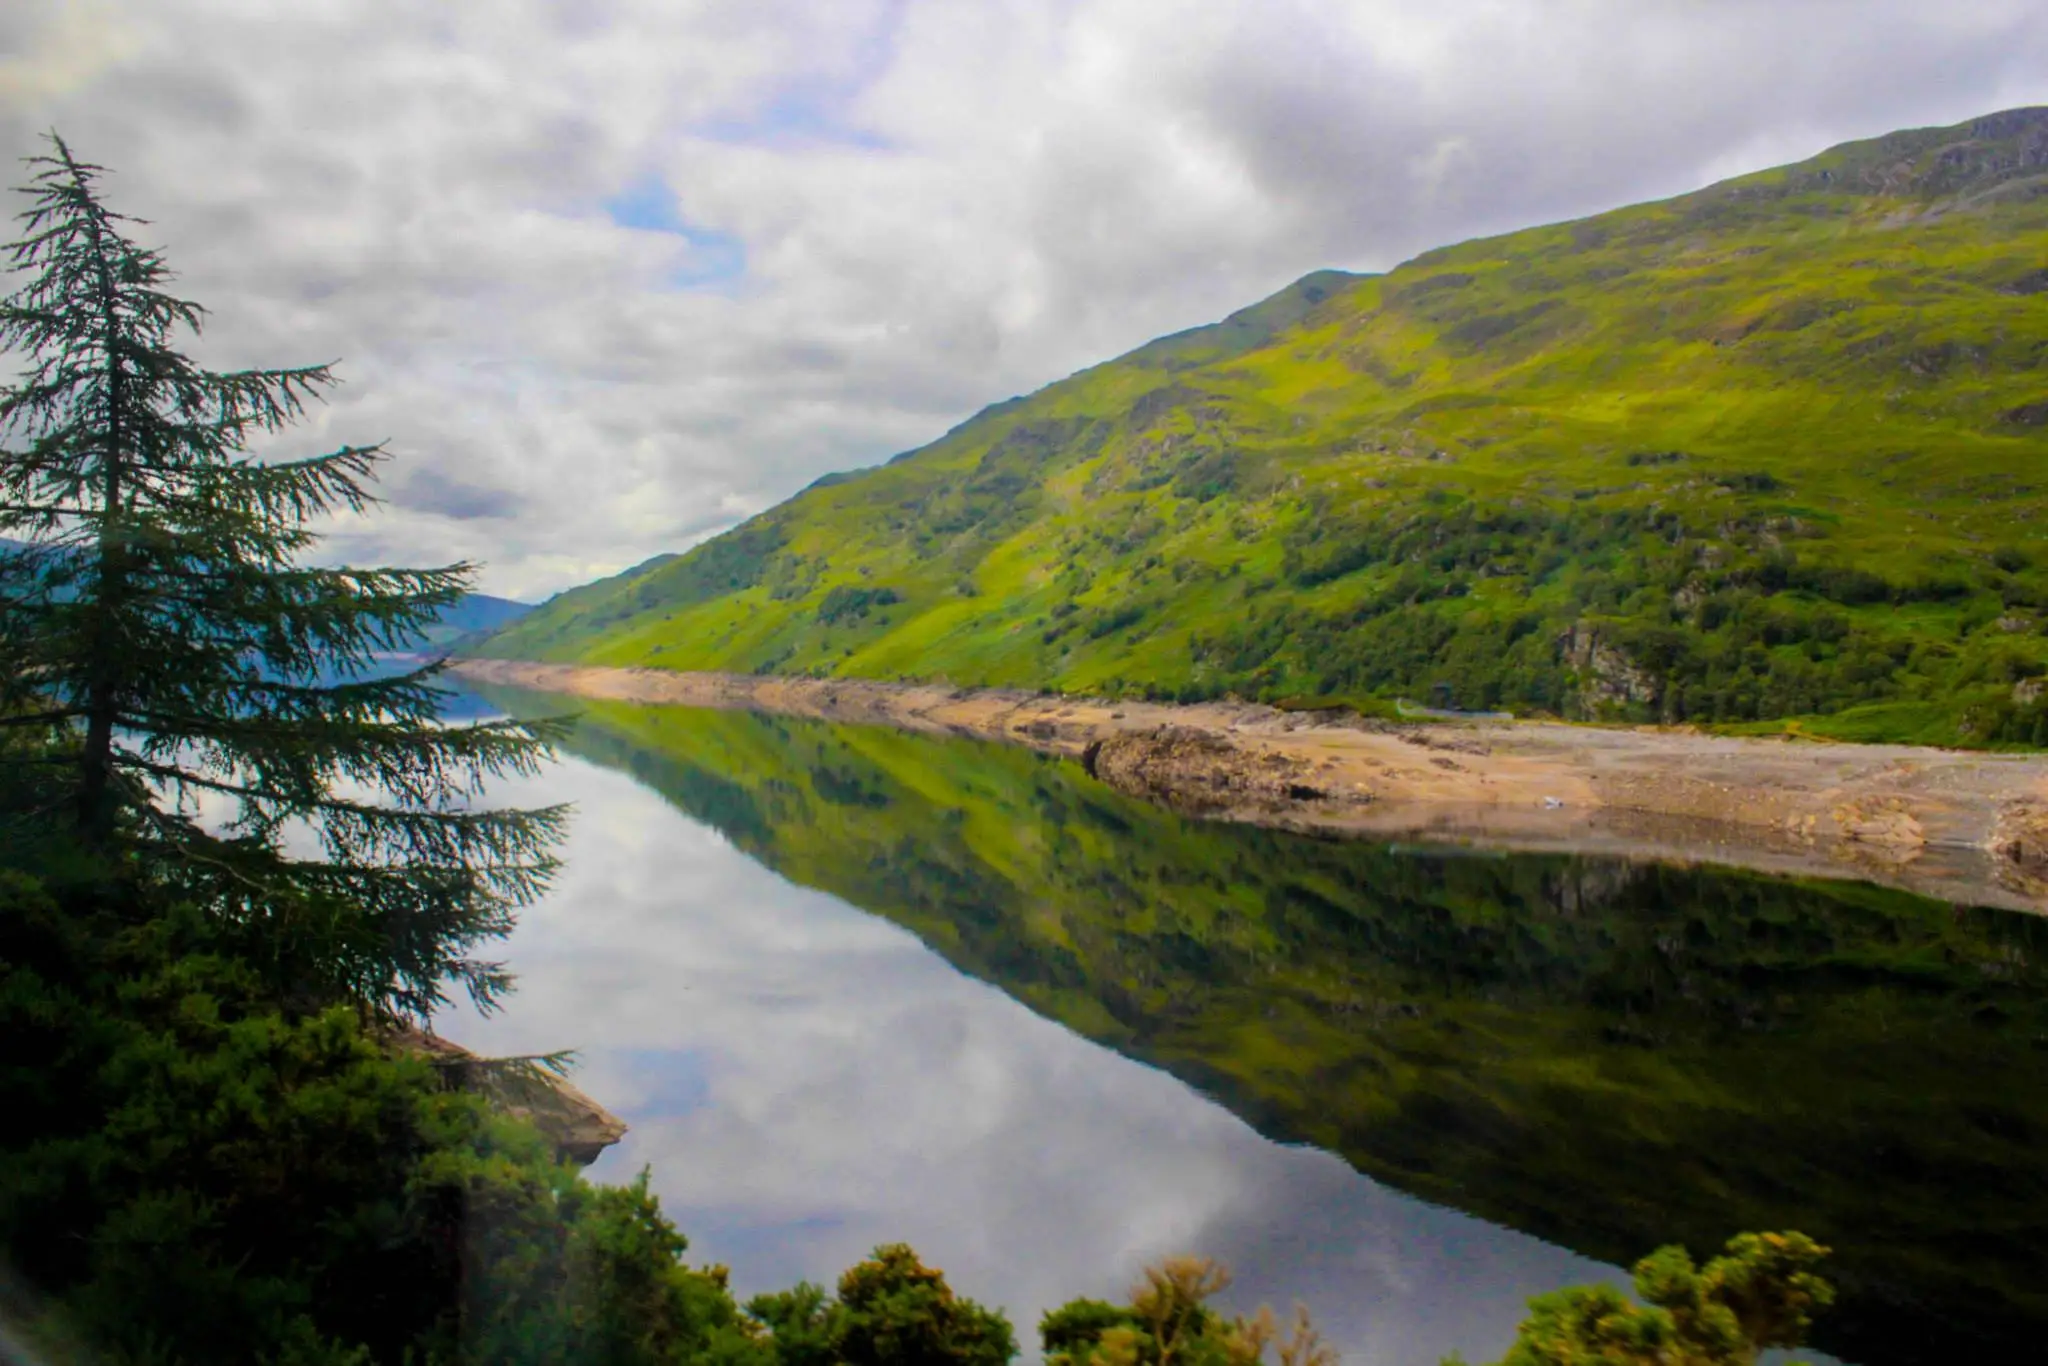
{"points": [[1200, 772], [1592, 884], [2013, 625], [2021, 837], [1607, 677], [2027, 691], [1883, 822], [578, 1126]]}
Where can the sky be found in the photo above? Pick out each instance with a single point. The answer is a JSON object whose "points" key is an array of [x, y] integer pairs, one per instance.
{"points": [[610, 276]]}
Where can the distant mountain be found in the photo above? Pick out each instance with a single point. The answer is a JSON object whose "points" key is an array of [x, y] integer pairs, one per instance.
{"points": [[474, 614], [1771, 449]]}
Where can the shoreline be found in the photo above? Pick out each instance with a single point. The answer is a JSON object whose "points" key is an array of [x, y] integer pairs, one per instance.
{"points": [[1960, 826]]}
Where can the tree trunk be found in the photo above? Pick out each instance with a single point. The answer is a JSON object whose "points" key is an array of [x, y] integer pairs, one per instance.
{"points": [[102, 673]]}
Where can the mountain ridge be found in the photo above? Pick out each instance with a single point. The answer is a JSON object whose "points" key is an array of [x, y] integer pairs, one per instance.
{"points": [[1760, 451]]}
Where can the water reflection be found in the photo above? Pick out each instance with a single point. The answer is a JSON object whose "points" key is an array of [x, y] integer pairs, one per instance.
{"points": [[1602, 1055], [808, 1080]]}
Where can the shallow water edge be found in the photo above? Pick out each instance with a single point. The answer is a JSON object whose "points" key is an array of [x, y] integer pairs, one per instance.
{"points": [[1958, 826]]}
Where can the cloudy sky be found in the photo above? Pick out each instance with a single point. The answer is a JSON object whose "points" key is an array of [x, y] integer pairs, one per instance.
{"points": [[611, 275]]}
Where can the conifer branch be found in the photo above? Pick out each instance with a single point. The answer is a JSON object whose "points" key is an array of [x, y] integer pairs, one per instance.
{"points": [[165, 605]]}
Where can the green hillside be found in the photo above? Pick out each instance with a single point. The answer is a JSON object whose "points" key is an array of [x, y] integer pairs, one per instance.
{"points": [[1608, 1056], [1769, 450]]}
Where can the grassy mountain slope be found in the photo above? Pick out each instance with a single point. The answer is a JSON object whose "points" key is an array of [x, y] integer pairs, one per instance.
{"points": [[1773, 449], [1604, 1055]]}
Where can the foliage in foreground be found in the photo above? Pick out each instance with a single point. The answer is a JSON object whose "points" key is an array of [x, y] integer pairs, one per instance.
{"points": [[892, 1310], [1768, 450], [1169, 1320], [195, 1173], [1759, 1294]]}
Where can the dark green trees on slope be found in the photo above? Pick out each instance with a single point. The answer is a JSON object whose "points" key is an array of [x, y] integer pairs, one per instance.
{"points": [[1768, 450]]}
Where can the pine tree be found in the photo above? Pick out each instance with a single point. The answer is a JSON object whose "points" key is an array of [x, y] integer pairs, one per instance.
{"points": [[157, 618]]}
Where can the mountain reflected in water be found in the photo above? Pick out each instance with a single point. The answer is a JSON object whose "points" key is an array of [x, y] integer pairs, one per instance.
{"points": [[1602, 1055]]}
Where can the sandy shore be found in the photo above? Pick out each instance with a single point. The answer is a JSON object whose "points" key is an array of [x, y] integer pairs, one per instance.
{"points": [[1965, 827]]}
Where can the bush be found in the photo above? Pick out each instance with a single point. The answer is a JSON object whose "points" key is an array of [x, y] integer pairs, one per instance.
{"points": [[1759, 1294], [847, 602], [194, 1171], [892, 1310]]}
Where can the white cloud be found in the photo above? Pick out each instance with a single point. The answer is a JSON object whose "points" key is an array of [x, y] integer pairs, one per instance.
{"points": [[882, 214]]}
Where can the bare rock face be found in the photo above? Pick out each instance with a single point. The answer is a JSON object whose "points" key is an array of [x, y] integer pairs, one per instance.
{"points": [[1885, 822], [1198, 772], [1607, 677], [578, 1126], [2021, 838]]}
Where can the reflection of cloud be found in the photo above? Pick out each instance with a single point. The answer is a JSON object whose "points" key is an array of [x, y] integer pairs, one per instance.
{"points": [[927, 204], [672, 1081], [808, 1081]]}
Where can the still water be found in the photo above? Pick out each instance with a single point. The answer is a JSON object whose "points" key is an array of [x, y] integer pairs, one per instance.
{"points": [[850, 986]]}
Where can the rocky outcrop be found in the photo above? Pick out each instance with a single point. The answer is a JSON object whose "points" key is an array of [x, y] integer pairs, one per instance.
{"points": [[1886, 822], [1608, 678], [578, 1126], [1201, 772], [2021, 838]]}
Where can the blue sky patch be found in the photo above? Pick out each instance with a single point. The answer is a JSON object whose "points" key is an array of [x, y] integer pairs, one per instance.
{"points": [[649, 205], [796, 118], [812, 108]]}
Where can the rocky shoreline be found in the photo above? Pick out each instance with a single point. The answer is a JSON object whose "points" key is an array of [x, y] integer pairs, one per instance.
{"points": [[1961, 826]]}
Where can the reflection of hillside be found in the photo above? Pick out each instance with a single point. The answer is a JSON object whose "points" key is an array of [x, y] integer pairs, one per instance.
{"points": [[1603, 1055]]}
